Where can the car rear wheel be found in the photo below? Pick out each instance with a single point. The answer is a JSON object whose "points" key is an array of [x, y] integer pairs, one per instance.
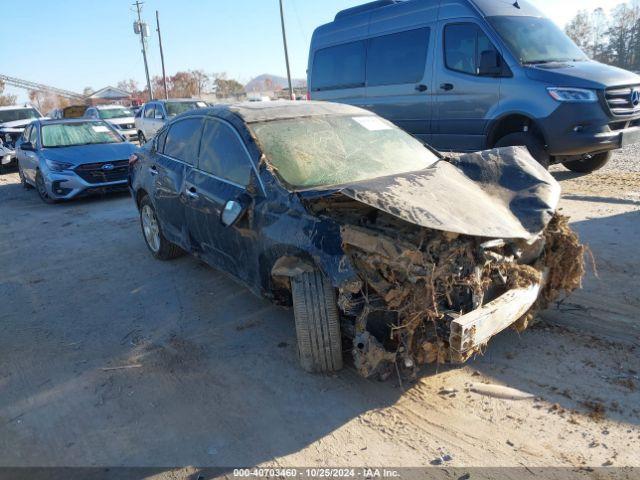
{"points": [[533, 142], [42, 189], [23, 180], [588, 165], [317, 323], [160, 247]]}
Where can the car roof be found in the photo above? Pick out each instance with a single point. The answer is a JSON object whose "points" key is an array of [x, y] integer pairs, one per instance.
{"points": [[68, 120], [252, 112], [17, 107]]}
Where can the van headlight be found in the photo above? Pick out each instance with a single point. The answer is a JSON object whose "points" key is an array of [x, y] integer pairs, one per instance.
{"points": [[572, 95], [58, 166]]}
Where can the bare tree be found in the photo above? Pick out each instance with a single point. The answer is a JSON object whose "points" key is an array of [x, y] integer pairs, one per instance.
{"points": [[580, 30], [6, 100]]}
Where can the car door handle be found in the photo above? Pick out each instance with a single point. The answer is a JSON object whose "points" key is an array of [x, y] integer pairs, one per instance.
{"points": [[191, 192], [153, 170], [421, 87], [446, 86]]}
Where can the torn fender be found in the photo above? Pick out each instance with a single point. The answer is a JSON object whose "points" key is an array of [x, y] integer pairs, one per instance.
{"points": [[501, 193]]}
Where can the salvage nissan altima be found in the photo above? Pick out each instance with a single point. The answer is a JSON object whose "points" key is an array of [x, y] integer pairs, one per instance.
{"points": [[384, 248]]}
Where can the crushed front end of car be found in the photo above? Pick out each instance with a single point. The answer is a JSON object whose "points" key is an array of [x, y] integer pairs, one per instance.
{"points": [[448, 257]]}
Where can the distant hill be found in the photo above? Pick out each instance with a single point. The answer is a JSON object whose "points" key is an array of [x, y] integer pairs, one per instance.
{"points": [[267, 82]]}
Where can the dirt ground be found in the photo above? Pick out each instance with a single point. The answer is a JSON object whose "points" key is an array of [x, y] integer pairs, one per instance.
{"points": [[213, 378]]}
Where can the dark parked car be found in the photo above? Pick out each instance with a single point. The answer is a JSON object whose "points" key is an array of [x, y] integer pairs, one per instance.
{"points": [[64, 159], [370, 234]]}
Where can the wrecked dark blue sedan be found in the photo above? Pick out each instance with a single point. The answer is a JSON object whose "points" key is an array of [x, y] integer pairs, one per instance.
{"points": [[385, 248]]}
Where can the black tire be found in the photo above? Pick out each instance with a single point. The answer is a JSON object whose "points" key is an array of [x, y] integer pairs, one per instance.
{"points": [[596, 162], [163, 249], [317, 323], [42, 189], [533, 142], [23, 181], [141, 138]]}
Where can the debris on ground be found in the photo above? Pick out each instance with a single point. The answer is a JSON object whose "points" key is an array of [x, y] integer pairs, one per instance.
{"points": [[500, 391]]}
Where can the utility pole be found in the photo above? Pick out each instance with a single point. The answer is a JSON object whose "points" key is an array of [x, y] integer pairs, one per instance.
{"points": [[164, 75], [286, 52], [142, 28]]}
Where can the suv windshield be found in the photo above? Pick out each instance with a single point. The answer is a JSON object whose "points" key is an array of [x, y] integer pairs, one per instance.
{"points": [[176, 108], [18, 114], [115, 113], [334, 150], [77, 133], [536, 40]]}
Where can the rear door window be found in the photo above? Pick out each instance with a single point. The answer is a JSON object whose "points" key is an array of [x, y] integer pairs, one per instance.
{"points": [[397, 58], [463, 47], [222, 153], [183, 140], [342, 66]]}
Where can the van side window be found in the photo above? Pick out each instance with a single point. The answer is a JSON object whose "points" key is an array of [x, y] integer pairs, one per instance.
{"points": [[342, 66], [183, 140], [222, 153], [397, 58], [33, 135], [463, 47]]}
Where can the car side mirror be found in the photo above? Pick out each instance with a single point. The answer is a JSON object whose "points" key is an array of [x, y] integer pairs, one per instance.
{"points": [[490, 64], [235, 209], [27, 146]]}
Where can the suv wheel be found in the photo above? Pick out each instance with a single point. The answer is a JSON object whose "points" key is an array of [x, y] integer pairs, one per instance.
{"points": [[160, 247], [533, 142], [317, 323], [588, 165], [42, 189]]}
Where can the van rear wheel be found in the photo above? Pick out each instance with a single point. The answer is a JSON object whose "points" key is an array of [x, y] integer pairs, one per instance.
{"points": [[588, 165], [317, 323], [533, 142]]}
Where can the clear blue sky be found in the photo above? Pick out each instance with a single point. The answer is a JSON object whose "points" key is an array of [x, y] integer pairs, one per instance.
{"points": [[89, 43]]}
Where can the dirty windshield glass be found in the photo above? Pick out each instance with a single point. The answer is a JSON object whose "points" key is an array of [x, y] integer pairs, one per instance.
{"points": [[176, 108], [115, 113], [18, 114], [72, 134], [333, 150], [536, 40]]}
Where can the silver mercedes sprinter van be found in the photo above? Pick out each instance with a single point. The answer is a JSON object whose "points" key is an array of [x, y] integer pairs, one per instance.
{"points": [[465, 75]]}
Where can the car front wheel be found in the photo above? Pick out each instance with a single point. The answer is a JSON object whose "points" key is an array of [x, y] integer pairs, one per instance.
{"points": [[317, 323], [42, 189], [160, 247], [588, 165]]}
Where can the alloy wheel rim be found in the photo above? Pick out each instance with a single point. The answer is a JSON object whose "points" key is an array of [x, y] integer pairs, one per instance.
{"points": [[150, 228], [42, 189]]}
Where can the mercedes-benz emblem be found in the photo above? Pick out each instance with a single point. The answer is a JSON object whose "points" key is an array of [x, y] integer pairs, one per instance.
{"points": [[635, 97], [109, 166]]}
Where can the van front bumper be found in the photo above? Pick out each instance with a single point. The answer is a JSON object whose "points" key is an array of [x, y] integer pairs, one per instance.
{"points": [[574, 130]]}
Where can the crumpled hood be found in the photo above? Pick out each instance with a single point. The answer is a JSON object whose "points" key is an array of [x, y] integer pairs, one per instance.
{"points": [[15, 126], [81, 154], [586, 74], [501, 193]]}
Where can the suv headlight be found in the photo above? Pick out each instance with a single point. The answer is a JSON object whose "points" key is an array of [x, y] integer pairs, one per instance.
{"points": [[572, 95], [55, 166]]}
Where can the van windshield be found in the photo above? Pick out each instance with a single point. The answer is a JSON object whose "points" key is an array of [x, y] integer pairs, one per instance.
{"points": [[535, 40], [333, 150]]}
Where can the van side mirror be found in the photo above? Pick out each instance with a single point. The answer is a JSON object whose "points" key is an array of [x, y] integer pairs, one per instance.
{"points": [[490, 64], [27, 146]]}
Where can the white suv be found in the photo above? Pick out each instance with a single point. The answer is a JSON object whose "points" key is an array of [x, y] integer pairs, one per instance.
{"points": [[155, 114], [118, 116]]}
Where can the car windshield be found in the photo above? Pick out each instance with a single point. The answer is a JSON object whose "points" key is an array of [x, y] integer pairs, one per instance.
{"points": [[77, 133], [107, 113], [18, 114], [535, 40], [176, 108], [333, 150]]}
